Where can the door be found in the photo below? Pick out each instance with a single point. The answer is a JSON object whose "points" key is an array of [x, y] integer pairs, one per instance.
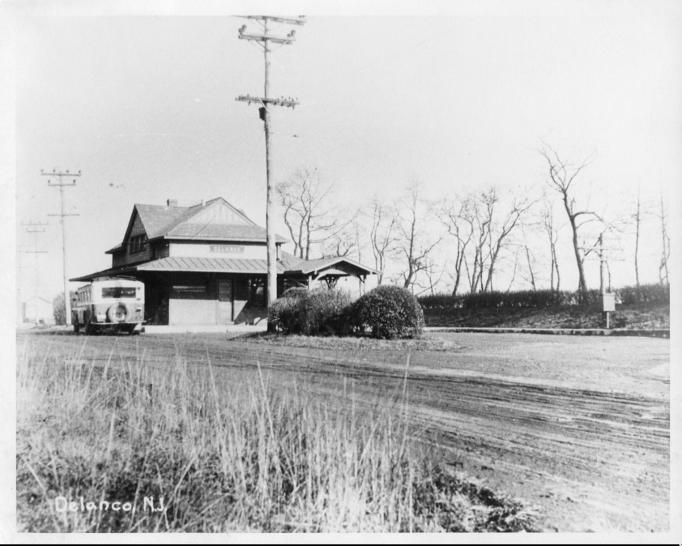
{"points": [[224, 301]]}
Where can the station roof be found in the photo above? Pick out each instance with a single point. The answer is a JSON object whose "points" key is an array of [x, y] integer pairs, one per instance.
{"points": [[203, 221], [289, 266]]}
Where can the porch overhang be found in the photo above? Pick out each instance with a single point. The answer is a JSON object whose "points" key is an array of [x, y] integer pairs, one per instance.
{"points": [[187, 265]]}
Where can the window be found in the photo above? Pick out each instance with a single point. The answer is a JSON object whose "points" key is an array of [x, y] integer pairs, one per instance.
{"points": [[138, 243], [118, 292], [189, 291]]}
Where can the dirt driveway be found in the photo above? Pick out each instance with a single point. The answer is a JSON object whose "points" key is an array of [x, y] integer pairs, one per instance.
{"points": [[576, 425]]}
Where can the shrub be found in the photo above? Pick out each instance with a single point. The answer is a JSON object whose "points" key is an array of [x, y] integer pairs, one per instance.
{"points": [[645, 293], [388, 312], [534, 299], [282, 313], [296, 292], [310, 312], [59, 310]]}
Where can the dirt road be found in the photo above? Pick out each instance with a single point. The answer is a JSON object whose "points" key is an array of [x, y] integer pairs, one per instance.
{"points": [[578, 426]]}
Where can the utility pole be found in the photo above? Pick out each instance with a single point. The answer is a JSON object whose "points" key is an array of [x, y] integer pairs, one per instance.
{"points": [[265, 40], [60, 175], [607, 297], [34, 228], [601, 264]]}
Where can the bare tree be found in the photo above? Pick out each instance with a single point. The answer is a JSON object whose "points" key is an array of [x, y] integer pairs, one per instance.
{"points": [[339, 245], [552, 236], [433, 276], [514, 270], [343, 242], [529, 263], [663, 273], [382, 236], [492, 224], [307, 216], [411, 243], [458, 218], [482, 213], [498, 236], [561, 179], [637, 218]]}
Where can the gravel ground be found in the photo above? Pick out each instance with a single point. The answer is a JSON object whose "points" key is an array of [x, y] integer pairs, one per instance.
{"points": [[578, 426]]}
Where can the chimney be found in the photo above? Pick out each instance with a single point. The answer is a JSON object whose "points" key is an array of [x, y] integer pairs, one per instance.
{"points": [[171, 203]]}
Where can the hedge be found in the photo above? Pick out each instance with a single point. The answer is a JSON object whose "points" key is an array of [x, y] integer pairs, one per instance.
{"points": [[646, 293], [385, 312], [310, 312], [627, 295]]}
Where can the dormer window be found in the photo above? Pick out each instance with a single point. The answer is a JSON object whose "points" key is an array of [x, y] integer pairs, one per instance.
{"points": [[138, 243]]}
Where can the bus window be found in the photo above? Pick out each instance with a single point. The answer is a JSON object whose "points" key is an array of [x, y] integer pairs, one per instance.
{"points": [[118, 292]]}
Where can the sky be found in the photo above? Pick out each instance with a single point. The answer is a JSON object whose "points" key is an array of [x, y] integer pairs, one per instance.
{"points": [[144, 107]]}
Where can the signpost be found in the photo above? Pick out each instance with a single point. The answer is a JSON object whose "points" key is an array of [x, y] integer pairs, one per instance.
{"points": [[608, 305]]}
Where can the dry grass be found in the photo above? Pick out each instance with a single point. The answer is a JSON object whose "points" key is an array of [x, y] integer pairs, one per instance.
{"points": [[226, 452], [350, 343]]}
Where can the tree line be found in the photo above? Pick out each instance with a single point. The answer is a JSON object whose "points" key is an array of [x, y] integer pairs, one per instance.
{"points": [[487, 230]]}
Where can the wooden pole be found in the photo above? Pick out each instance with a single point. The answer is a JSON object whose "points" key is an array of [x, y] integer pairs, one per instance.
{"points": [[62, 215], [266, 101], [269, 212]]}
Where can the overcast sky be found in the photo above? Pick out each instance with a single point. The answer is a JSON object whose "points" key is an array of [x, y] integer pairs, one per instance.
{"points": [[144, 107]]}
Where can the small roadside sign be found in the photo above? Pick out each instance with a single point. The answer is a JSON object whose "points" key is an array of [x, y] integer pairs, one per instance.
{"points": [[609, 301]]}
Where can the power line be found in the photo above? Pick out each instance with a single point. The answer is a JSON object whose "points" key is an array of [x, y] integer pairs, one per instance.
{"points": [[59, 176], [265, 39]]}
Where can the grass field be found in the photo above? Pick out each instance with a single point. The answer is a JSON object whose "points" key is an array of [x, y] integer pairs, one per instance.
{"points": [[110, 441], [295, 434]]}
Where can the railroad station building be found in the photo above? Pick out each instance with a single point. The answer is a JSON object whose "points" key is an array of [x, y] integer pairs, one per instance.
{"points": [[207, 264]]}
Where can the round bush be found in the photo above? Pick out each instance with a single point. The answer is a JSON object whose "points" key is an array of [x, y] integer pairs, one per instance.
{"points": [[310, 312], [388, 312]]}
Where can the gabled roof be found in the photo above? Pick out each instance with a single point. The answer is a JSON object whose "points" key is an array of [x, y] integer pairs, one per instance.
{"points": [[289, 261], [174, 222], [310, 266], [189, 230], [292, 264]]}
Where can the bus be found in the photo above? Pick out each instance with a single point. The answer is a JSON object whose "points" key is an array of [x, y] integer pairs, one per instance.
{"points": [[109, 304]]}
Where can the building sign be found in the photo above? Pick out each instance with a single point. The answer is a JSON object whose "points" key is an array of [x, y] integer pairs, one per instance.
{"points": [[609, 301], [227, 249]]}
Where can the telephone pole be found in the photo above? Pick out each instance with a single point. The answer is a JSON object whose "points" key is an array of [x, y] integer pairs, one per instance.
{"points": [[607, 298], [34, 228], [265, 39], [59, 176]]}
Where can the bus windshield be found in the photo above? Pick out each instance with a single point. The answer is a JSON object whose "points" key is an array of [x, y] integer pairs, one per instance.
{"points": [[118, 292]]}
